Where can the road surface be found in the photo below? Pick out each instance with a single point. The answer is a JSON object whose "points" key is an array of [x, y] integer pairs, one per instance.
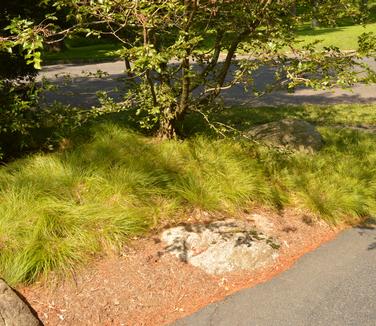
{"points": [[334, 285], [82, 91]]}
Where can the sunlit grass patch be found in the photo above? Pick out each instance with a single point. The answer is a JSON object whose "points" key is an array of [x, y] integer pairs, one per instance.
{"points": [[343, 37], [59, 210], [337, 184]]}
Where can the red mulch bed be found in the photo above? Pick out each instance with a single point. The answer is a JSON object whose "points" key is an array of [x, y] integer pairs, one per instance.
{"points": [[140, 287]]}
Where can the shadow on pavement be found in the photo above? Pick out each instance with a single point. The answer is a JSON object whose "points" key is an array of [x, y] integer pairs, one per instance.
{"points": [[81, 91], [370, 225]]}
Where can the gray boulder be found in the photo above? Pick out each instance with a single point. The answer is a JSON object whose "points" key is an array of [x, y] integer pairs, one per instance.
{"points": [[221, 246], [290, 133], [14, 311]]}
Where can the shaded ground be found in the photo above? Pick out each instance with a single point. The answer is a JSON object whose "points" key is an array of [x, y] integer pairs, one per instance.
{"points": [[142, 287]]}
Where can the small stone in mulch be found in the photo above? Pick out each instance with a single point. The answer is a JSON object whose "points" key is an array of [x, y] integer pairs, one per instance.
{"points": [[221, 246]]}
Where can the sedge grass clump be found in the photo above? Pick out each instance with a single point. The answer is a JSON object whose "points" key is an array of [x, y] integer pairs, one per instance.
{"points": [[338, 183], [218, 175], [40, 234], [58, 210]]}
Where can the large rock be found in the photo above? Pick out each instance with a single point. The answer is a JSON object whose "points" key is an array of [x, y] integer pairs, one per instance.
{"points": [[290, 133], [13, 311], [222, 246]]}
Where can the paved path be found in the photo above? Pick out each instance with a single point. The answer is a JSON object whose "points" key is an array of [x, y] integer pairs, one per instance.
{"points": [[82, 92], [334, 285]]}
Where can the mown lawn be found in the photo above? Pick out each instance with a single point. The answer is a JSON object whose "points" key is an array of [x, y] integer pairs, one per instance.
{"points": [[344, 37], [59, 210], [96, 50], [84, 50]]}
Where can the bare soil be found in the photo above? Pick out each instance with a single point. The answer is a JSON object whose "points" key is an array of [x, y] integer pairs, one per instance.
{"points": [[143, 285]]}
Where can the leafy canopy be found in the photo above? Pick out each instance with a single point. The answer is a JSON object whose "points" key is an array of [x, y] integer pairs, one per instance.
{"points": [[180, 54]]}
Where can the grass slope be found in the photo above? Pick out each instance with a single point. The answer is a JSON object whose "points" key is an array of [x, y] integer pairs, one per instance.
{"points": [[59, 210]]}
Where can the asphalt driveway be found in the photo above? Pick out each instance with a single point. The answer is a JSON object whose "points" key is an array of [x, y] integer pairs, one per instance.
{"points": [[334, 285], [82, 90]]}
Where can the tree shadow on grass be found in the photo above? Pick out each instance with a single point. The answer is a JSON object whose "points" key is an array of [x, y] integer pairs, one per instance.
{"points": [[309, 31], [244, 118]]}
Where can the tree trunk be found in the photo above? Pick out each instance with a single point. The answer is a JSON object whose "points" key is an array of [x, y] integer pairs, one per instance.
{"points": [[315, 9], [167, 126], [169, 121], [293, 9], [56, 47], [167, 129], [128, 68], [364, 5], [172, 115]]}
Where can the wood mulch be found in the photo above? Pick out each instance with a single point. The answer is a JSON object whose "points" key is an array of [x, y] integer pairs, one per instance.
{"points": [[139, 286]]}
